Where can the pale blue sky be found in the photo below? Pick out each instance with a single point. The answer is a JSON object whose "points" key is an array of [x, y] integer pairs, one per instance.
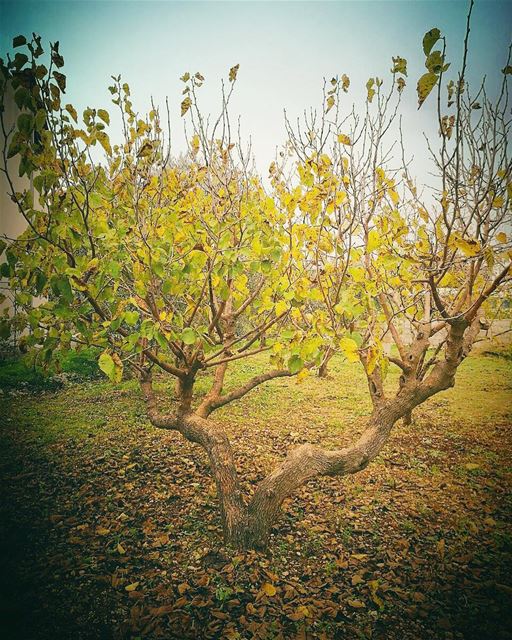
{"points": [[284, 50]]}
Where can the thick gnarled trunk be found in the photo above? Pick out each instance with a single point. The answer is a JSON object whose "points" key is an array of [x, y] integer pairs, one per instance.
{"points": [[233, 510], [249, 525]]}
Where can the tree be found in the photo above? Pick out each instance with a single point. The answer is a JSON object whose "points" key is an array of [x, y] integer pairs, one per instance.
{"points": [[181, 266]]}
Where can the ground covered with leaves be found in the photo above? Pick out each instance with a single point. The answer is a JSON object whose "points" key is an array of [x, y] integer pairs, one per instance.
{"points": [[110, 527]]}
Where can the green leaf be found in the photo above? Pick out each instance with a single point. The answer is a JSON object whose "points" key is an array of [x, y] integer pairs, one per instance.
{"points": [[198, 259], [40, 281], [131, 317], [5, 329], [40, 119], [22, 98], [295, 364], [189, 336], [425, 85], [62, 288], [19, 41], [111, 365], [14, 148], [429, 40], [25, 123]]}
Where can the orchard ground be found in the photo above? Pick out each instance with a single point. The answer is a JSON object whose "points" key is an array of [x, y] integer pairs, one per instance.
{"points": [[110, 527]]}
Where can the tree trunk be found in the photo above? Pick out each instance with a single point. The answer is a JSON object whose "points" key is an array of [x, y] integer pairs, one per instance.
{"points": [[233, 510], [308, 461], [323, 368], [249, 526]]}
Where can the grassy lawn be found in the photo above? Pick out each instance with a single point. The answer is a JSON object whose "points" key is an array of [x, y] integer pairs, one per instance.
{"points": [[111, 531]]}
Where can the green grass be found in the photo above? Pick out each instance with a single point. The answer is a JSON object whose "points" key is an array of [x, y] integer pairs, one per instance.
{"points": [[483, 393], [22, 374]]}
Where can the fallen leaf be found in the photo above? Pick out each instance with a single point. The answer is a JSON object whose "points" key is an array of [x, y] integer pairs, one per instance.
{"points": [[356, 604], [268, 589], [102, 531]]}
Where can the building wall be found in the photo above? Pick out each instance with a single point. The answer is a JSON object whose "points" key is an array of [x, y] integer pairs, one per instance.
{"points": [[12, 222]]}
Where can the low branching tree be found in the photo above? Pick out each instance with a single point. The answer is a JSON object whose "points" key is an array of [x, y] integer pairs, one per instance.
{"points": [[183, 265]]}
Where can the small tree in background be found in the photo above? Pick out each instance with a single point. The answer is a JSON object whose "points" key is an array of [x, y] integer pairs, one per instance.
{"points": [[184, 266]]}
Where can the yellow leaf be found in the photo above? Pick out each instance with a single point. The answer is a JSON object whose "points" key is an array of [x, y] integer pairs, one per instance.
{"points": [[471, 466], [185, 105], [120, 549], [280, 307], [194, 143], [372, 359], [394, 196], [268, 589], [304, 373], [501, 237], [469, 247], [423, 214], [101, 531], [104, 115], [374, 240], [72, 111], [232, 72], [103, 139], [374, 585], [356, 604], [498, 202], [357, 273], [349, 349], [344, 139], [132, 586], [340, 198]]}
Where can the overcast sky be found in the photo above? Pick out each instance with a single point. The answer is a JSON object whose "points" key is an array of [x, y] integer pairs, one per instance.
{"points": [[284, 49]]}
